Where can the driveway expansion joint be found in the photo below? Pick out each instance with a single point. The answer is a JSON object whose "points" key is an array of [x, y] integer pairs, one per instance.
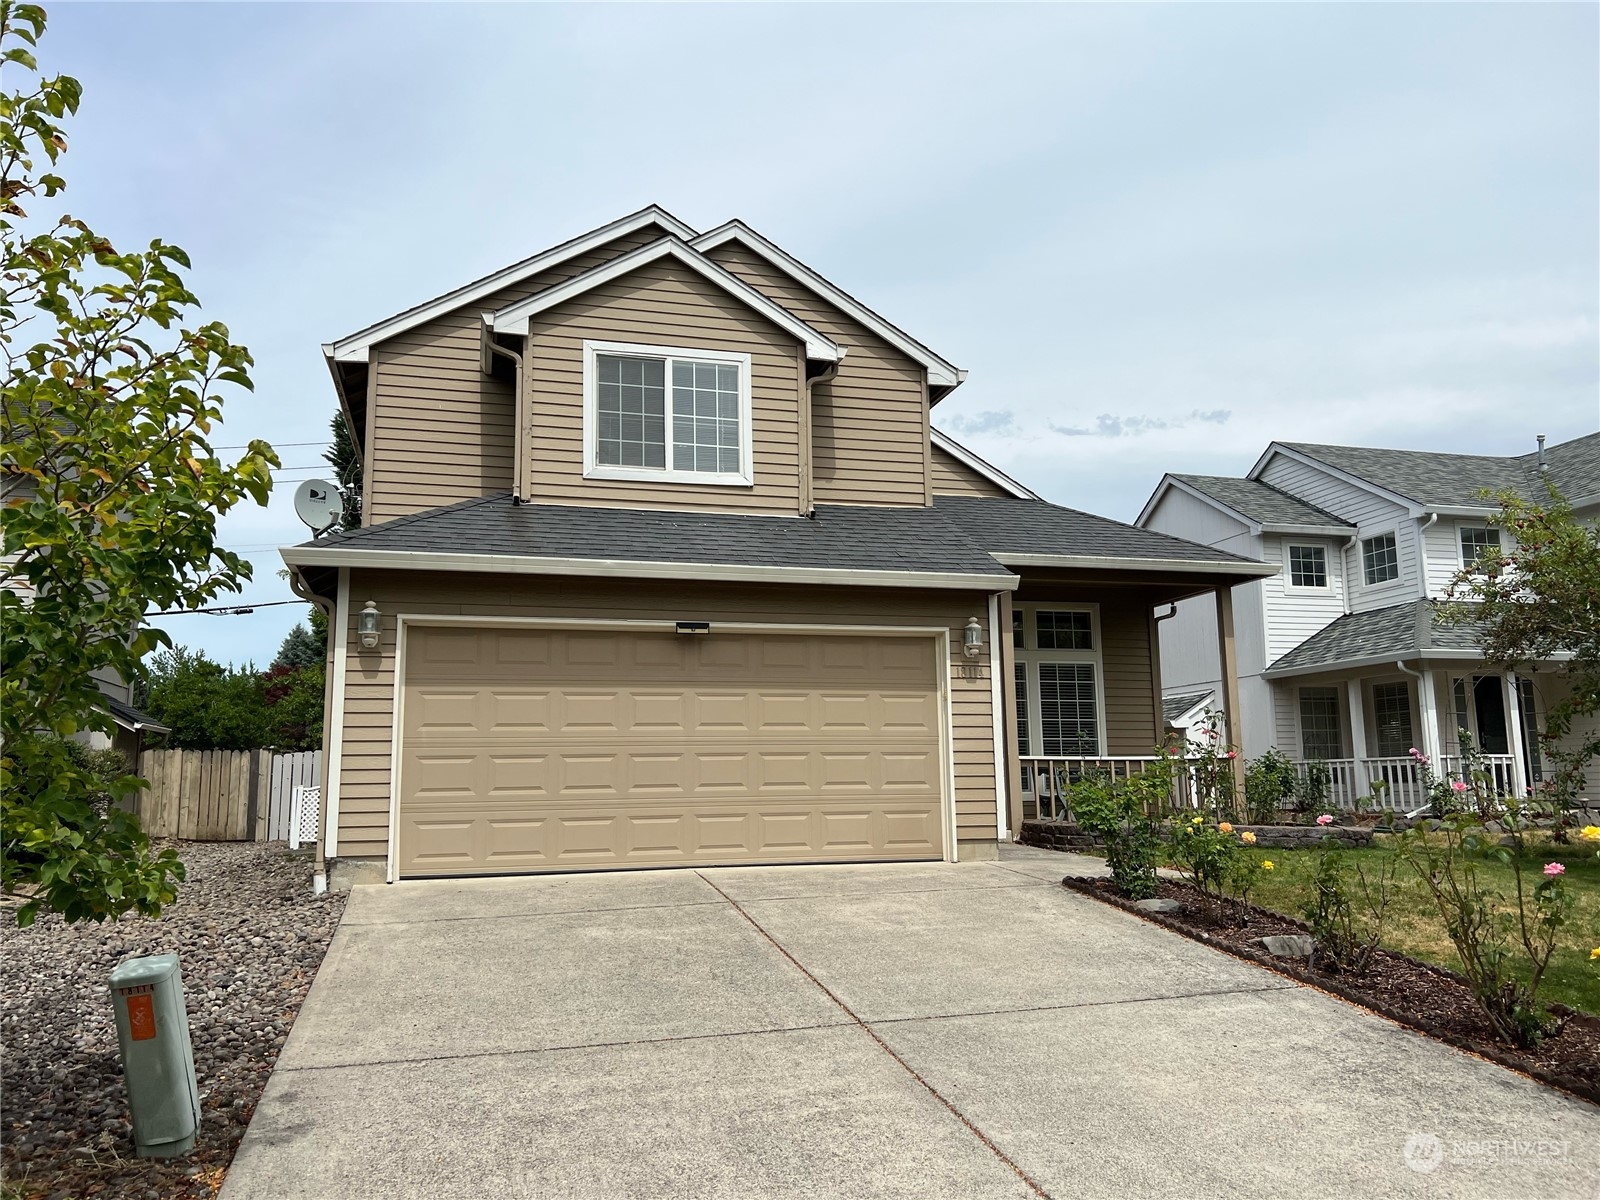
{"points": [[1288, 985], [523, 916], [1033, 1184]]}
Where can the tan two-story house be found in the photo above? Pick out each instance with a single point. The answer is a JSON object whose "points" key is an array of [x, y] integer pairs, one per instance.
{"points": [[663, 563]]}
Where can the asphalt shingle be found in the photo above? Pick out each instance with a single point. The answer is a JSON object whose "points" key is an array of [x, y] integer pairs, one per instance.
{"points": [[1262, 502], [1038, 527], [1399, 631]]}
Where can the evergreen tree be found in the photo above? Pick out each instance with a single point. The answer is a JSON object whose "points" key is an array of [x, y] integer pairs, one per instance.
{"points": [[346, 464]]}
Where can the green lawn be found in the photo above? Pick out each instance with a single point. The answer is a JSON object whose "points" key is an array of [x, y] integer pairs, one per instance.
{"points": [[1415, 928]]}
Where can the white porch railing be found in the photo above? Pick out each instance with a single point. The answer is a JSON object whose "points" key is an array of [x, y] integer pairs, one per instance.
{"points": [[1405, 787], [1044, 780]]}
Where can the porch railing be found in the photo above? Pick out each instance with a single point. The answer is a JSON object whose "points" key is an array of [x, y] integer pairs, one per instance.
{"points": [[1350, 780], [1045, 780]]}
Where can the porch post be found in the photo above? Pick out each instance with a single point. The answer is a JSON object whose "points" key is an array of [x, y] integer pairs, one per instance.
{"points": [[1428, 703], [1519, 765], [1008, 714], [997, 708], [1355, 702], [1228, 653]]}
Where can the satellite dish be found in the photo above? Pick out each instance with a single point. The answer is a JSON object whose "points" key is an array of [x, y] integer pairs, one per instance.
{"points": [[318, 504]]}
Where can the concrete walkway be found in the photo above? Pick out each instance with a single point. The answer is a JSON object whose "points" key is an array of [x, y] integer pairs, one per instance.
{"points": [[923, 1031]]}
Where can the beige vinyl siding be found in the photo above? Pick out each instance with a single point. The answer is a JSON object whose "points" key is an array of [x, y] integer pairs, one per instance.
{"points": [[952, 477], [369, 681], [869, 426], [661, 304], [439, 430]]}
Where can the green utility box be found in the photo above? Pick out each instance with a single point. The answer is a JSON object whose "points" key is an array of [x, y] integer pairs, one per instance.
{"points": [[157, 1059]]}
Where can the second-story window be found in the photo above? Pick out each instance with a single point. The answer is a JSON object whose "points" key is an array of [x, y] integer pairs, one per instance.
{"points": [[1308, 567], [1478, 541], [656, 413], [1380, 559]]}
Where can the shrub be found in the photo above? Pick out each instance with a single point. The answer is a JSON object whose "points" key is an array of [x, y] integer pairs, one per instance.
{"points": [[1348, 908], [1203, 853], [1119, 812], [1269, 785]]}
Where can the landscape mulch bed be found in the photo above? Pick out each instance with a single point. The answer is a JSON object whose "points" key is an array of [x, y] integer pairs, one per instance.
{"points": [[250, 936], [1427, 998]]}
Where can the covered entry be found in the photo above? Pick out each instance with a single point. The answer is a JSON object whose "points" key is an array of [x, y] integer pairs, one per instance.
{"points": [[529, 747]]}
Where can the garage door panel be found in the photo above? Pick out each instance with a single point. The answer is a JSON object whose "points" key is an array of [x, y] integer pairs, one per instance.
{"points": [[549, 750]]}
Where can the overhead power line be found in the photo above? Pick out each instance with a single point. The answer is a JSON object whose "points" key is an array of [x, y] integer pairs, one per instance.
{"points": [[229, 610]]}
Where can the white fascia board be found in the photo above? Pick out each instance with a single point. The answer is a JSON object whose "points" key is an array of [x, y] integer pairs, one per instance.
{"points": [[1187, 717], [1406, 502], [523, 564], [1097, 562], [993, 474], [941, 373], [355, 347], [1334, 531], [514, 318], [1461, 510], [1172, 481]]}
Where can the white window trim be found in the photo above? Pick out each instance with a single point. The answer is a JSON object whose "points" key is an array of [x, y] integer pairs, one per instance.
{"points": [[1361, 554], [1341, 718], [1030, 658], [1288, 567], [594, 469]]}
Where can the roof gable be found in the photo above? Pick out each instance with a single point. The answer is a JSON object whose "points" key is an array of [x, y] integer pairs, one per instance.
{"points": [[1260, 506], [941, 373], [355, 346], [990, 472], [514, 318]]}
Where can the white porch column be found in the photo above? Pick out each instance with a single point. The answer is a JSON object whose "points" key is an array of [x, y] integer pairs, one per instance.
{"points": [[1428, 703], [1519, 764], [1357, 707]]}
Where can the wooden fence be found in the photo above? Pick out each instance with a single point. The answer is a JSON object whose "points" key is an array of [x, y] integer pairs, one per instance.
{"points": [[222, 795]]}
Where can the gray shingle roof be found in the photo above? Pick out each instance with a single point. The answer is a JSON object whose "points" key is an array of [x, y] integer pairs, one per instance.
{"points": [[1457, 479], [130, 717], [957, 535], [1399, 631], [845, 537], [1173, 707], [1262, 502], [1038, 527]]}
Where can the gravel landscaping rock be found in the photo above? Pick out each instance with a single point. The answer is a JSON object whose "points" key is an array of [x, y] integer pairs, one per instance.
{"points": [[250, 936]]}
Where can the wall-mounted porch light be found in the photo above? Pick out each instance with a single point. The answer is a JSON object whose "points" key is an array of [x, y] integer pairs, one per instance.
{"points": [[369, 626], [694, 626], [972, 638]]}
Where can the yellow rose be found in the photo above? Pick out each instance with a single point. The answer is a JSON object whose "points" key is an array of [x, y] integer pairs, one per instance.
{"points": [[1248, 838], [1594, 954], [1591, 833], [1266, 865], [1198, 821], [1225, 828]]}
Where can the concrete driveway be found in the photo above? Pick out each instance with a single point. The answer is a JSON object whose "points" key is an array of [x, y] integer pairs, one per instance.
{"points": [[919, 1031]]}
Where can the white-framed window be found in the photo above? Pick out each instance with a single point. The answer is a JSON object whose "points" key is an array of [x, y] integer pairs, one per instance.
{"points": [[1391, 719], [1321, 732], [1060, 682], [1478, 541], [666, 413], [1308, 566], [1380, 558]]}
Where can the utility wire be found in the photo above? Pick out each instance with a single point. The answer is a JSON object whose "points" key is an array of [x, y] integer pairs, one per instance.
{"points": [[232, 610]]}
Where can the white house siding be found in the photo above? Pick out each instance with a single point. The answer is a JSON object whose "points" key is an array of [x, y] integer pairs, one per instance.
{"points": [[1189, 656], [1293, 614], [1371, 514]]}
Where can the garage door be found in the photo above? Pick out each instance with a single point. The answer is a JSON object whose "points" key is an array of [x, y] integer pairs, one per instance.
{"points": [[538, 749]]}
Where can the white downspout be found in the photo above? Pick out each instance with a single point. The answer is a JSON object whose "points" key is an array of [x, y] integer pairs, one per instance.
{"points": [[1428, 708], [1344, 569], [298, 585], [1002, 800], [1422, 551]]}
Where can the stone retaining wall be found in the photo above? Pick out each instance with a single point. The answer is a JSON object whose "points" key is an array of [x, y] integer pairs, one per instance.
{"points": [[1066, 835]]}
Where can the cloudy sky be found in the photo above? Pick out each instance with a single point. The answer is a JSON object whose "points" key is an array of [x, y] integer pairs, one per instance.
{"points": [[1158, 237]]}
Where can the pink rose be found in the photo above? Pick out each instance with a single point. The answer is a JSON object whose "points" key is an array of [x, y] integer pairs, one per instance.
{"points": [[1325, 819], [1555, 869], [1232, 754], [1458, 786]]}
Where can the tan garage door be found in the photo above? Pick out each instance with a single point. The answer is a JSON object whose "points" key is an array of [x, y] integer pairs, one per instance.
{"points": [[538, 749]]}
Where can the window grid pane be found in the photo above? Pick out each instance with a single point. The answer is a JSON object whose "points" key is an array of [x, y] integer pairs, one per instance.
{"points": [[1476, 542], [1380, 559], [1022, 709], [1067, 710], [705, 417], [630, 407], [1530, 729], [1320, 735], [1391, 714], [1308, 566], [1064, 630]]}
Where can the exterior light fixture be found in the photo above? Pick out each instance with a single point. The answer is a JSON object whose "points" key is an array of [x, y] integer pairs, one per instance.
{"points": [[972, 638], [694, 626], [369, 625]]}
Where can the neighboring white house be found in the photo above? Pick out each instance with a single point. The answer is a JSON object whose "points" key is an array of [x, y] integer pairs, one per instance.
{"points": [[1340, 657]]}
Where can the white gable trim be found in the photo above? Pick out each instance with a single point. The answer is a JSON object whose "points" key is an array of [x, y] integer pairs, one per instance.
{"points": [[940, 372], [1406, 502], [993, 474], [355, 347], [514, 319]]}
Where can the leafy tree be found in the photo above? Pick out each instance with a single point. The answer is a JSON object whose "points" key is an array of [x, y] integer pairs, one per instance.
{"points": [[346, 464], [206, 705], [112, 493], [1539, 598], [294, 707]]}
